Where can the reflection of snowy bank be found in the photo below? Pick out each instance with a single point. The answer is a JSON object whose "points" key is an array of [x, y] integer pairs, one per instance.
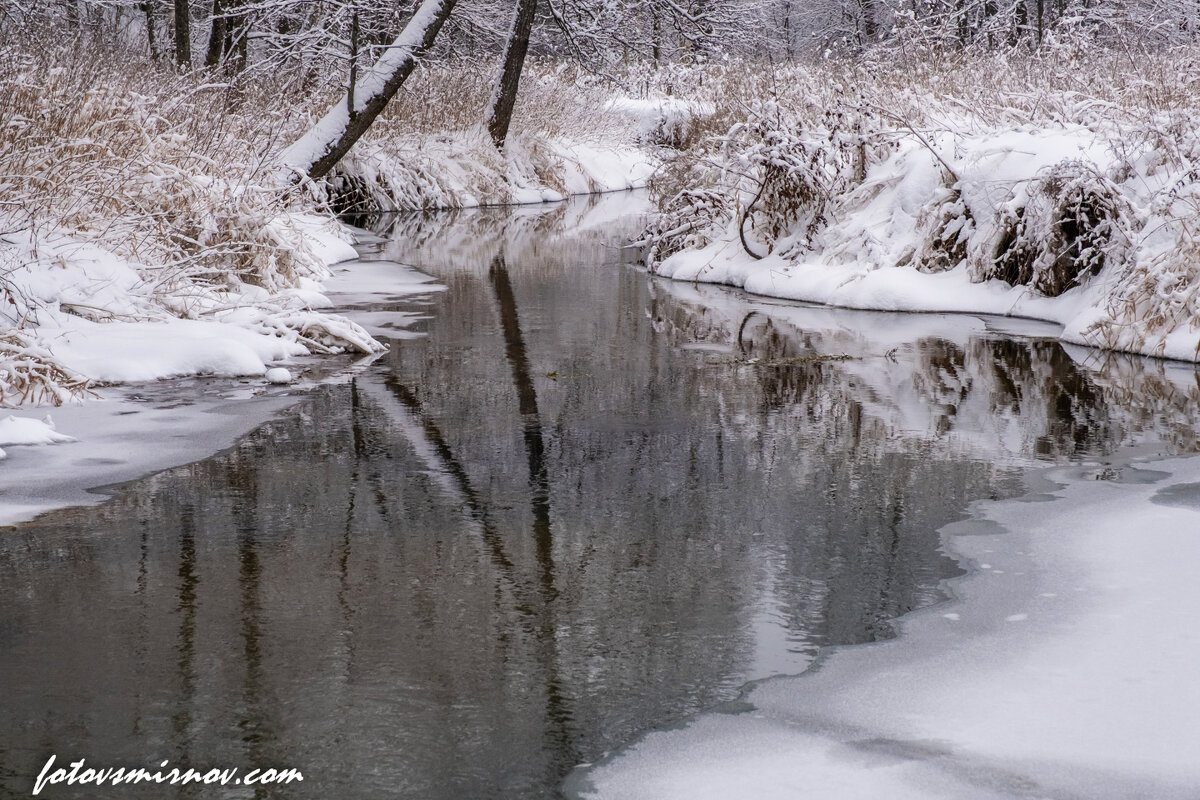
{"points": [[531, 236], [1065, 669], [1001, 387]]}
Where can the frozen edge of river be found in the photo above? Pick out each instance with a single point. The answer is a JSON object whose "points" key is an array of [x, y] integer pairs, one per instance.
{"points": [[138, 429], [1064, 668]]}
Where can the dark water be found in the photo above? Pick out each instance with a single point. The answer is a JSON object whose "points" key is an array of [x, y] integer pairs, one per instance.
{"points": [[585, 505]]}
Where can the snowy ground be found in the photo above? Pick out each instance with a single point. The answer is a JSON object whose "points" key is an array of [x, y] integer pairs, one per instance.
{"points": [[926, 227], [1064, 668]]}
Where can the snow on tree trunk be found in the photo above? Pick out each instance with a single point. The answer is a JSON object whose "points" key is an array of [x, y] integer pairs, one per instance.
{"points": [[319, 150], [505, 95]]}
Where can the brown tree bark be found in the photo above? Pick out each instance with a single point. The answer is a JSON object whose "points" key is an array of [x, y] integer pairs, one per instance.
{"points": [[504, 98]]}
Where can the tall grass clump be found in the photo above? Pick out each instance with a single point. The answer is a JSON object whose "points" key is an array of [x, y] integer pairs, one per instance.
{"points": [[173, 174]]}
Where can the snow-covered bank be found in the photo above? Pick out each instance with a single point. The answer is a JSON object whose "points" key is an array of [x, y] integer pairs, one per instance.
{"points": [[912, 238], [1002, 195], [464, 170], [101, 318], [1064, 669], [126, 432]]}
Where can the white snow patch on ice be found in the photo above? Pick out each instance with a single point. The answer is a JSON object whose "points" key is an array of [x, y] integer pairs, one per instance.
{"points": [[1096, 697], [30, 431]]}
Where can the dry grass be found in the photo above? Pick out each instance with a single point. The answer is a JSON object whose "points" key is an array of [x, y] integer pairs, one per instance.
{"points": [[30, 374], [164, 170], [1130, 221]]}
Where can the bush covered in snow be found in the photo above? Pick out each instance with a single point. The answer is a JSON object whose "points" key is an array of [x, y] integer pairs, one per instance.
{"points": [[1059, 173]]}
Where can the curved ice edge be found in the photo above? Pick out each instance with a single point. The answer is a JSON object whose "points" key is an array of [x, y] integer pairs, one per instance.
{"points": [[1067, 671]]}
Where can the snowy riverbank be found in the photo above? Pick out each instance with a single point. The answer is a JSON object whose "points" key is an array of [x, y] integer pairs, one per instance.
{"points": [[989, 239], [101, 318], [464, 170], [59, 461], [1064, 668], [1020, 191]]}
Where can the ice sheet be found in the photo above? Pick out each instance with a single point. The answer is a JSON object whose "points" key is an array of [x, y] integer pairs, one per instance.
{"points": [[1065, 668]]}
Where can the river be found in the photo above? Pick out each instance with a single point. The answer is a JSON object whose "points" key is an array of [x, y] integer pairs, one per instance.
{"points": [[570, 505]]}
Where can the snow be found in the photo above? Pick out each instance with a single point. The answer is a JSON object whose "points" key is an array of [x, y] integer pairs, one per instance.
{"points": [[278, 375], [128, 352], [862, 257], [660, 119], [29, 431], [464, 169], [100, 318], [1065, 669], [317, 141]]}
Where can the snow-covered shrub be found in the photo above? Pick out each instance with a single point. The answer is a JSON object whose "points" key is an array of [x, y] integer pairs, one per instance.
{"points": [[1156, 296], [944, 229], [775, 176], [796, 180], [670, 122], [29, 373], [1061, 227], [689, 220]]}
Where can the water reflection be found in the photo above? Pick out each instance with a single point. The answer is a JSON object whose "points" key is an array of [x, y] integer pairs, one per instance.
{"points": [[584, 505]]}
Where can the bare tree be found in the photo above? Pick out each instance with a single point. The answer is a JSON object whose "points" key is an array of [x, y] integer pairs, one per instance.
{"points": [[504, 97], [183, 34]]}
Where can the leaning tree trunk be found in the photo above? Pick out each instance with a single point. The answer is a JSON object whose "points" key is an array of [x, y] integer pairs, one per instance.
{"points": [[315, 153], [505, 95]]}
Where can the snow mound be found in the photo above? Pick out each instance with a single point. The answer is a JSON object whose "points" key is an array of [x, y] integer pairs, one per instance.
{"points": [[30, 431]]}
